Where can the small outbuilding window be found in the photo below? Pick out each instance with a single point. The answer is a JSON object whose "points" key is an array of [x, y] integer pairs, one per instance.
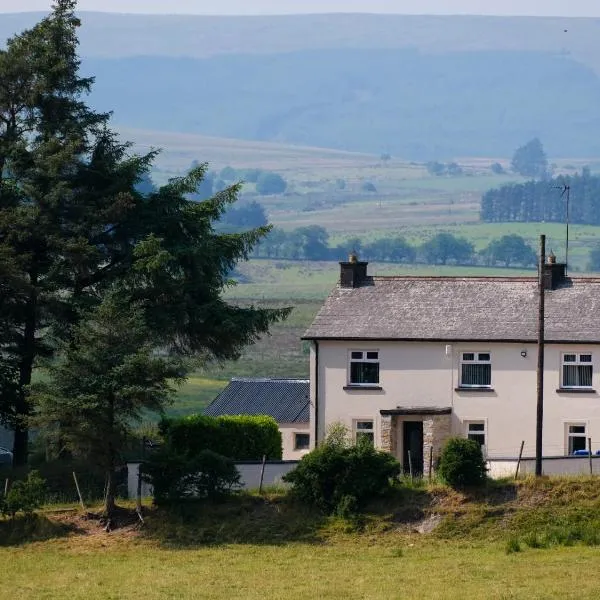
{"points": [[577, 370], [476, 369], [301, 441], [364, 367]]}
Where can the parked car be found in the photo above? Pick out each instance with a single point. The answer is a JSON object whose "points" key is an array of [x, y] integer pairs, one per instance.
{"points": [[6, 456]]}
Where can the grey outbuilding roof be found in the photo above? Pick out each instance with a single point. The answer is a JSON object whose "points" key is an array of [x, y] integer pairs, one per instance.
{"points": [[286, 400], [459, 309]]}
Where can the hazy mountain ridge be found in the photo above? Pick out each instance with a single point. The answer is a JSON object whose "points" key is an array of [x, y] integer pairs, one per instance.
{"points": [[115, 35], [420, 87], [414, 105]]}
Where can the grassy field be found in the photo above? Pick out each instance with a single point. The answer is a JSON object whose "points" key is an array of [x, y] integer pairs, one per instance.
{"points": [[280, 354], [491, 544], [121, 571], [408, 201]]}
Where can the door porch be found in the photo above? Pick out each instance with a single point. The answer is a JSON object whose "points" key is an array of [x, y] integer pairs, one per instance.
{"points": [[402, 429]]}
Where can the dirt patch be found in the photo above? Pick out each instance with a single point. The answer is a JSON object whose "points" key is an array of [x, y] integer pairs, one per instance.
{"points": [[429, 524], [124, 522]]}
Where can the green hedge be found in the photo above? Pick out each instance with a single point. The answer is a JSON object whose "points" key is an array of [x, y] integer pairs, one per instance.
{"points": [[239, 438]]}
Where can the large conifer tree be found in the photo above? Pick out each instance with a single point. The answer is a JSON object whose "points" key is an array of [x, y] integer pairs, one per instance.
{"points": [[72, 223]]}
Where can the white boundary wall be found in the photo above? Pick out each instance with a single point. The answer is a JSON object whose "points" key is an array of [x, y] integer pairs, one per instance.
{"points": [[249, 473], [563, 465]]}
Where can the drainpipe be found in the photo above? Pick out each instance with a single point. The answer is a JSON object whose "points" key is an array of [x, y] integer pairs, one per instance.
{"points": [[316, 393]]}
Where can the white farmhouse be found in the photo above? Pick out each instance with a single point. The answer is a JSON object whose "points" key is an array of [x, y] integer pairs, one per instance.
{"points": [[410, 361]]}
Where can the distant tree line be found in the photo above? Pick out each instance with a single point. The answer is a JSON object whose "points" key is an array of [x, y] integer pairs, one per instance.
{"points": [[438, 169], [312, 243], [536, 201]]}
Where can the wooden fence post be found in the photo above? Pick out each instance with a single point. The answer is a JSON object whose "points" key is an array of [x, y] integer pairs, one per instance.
{"points": [[430, 463], [590, 453], [262, 473], [78, 491], [519, 461], [410, 469]]}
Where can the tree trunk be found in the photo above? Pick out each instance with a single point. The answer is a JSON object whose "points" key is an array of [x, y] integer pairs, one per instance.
{"points": [[111, 491], [22, 408], [111, 485]]}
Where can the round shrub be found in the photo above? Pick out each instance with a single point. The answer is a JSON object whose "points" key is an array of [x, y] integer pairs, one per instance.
{"points": [[368, 186], [462, 463], [339, 478], [207, 475], [270, 183]]}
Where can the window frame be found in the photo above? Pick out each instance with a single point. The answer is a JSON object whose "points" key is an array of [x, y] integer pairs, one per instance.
{"points": [[576, 363], [475, 361], [356, 431], [483, 432], [569, 436], [362, 360], [296, 435]]}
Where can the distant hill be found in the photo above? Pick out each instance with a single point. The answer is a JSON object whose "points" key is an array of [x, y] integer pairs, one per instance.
{"points": [[419, 106], [418, 87], [117, 35]]}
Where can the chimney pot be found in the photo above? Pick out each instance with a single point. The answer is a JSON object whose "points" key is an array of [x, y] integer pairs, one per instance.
{"points": [[353, 273], [554, 273]]}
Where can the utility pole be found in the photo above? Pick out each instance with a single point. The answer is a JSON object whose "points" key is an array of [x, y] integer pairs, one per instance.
{"points": [[539, 424], [568, 194]]}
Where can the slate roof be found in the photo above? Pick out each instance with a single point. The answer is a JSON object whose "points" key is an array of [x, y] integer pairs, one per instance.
{"points": [[286, 400], [459, 309]]}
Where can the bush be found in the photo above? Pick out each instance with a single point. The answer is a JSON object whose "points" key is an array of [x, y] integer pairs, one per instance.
{"points": [[462, 463], [368, 186], [239, 438], [270, 183], [339, 478], [207, 475], [24, 495]]}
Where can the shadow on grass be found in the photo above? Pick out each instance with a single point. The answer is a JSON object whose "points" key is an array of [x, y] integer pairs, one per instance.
{"points": [[402, 506], [32, 528], [239, 519], [493, 493]]}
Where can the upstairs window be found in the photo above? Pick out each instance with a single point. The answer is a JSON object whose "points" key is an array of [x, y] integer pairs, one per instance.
{"points": [[476, 369], [364, 367], [577, 370]]}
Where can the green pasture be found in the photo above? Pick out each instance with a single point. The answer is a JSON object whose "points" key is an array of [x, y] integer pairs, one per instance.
{"points": [[365, 569], [531, 539]]}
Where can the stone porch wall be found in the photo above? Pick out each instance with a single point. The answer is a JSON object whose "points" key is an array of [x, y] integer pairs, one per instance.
{"points": [[388, 434], [436, 430]]}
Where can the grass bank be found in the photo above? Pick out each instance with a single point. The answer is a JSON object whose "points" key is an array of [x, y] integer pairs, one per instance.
{"points": [[269, 547]]}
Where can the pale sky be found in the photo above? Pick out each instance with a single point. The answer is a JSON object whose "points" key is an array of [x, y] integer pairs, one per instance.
{"points": [[571, 8]]}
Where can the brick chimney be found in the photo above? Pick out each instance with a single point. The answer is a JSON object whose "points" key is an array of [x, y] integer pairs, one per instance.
{"points": [[353, 272], [554, 273]]}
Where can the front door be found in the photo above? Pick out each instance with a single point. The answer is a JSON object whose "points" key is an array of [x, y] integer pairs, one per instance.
{"points": [[413, 443]]}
